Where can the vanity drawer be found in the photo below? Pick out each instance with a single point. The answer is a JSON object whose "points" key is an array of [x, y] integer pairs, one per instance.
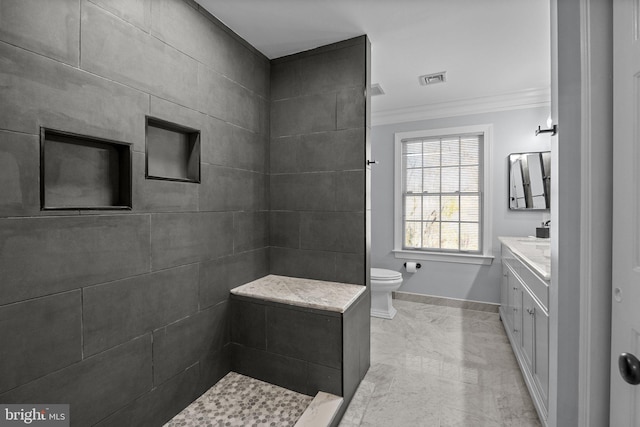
{"points": [[538, 287]]}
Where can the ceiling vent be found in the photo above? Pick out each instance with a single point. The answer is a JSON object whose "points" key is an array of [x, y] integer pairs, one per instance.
{"points": [[430, 79], [376, 89]]}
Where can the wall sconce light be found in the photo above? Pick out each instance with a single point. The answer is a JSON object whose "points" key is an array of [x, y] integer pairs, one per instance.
{"points": [[552, 129]]}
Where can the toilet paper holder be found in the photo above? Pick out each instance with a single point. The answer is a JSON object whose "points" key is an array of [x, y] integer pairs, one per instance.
{"points": [[418, 265]]}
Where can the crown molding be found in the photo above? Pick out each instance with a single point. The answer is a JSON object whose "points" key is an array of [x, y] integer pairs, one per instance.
{"points": [[529, 98]]}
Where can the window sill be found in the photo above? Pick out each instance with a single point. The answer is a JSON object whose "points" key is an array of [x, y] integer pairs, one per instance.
{"points": [[443, 257]]}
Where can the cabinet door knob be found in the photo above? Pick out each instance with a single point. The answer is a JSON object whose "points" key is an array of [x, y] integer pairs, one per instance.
{"points": [[531, 311], [515, 288]]}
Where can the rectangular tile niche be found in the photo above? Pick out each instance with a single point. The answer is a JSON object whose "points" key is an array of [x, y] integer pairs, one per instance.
{"points": [[81, 172], [173, 151]]}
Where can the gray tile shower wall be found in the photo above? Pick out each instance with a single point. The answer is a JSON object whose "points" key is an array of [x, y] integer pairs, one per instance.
{"points": [[318, 156], [126, 312], [129, 310]]}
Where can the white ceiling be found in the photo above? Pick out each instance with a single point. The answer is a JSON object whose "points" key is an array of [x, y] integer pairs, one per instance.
{"points": [[495, 52]]}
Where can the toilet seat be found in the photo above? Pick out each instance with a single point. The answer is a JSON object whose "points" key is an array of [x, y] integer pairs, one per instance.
{"points": [[382, 274]]}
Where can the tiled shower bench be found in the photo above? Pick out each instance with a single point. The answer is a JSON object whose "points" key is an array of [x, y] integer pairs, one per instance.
{"points": [[305, 335]]}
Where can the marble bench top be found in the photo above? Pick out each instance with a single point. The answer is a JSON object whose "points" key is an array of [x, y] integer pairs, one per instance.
{"points": [[534, 252], [330, 296]]}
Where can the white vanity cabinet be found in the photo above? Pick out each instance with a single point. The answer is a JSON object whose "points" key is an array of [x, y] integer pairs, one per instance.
{"points": [[524, 312]]}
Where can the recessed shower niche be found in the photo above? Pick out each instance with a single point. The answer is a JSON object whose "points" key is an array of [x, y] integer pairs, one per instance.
{"points": [[173, 151], [81, 172]]}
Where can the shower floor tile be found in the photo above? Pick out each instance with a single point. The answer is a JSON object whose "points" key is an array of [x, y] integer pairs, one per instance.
{"points": [[238, 400]]}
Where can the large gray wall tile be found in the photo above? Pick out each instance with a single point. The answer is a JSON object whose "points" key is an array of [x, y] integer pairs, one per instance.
{"points": [[351, 268], [136, 58], [232, 146], [39, 336], [213, 367], [184, 238], [95, 387], [351, 108], [304, 335], [227, 189], [157, 195], [136, 12], [286, 81], [49, 28], [37, 91], [119, 311], [190, 31], [242, 106], [350, 191], [175, 113], [332, 231], [331, 151], [211, 99], [19, 174], [181, 344], [318, 152], [323, 378], [159, 405], [306, 191], [283, 154], [306, 114], [250, 231], [284, 227], [248, 68], [219, 276], [265, 116], [280, 370], [41, 256], [223, 98], [356, 344], [218, 149], [351, 352], [248, 323], [320, 71], [133, 57], [300, 263]]}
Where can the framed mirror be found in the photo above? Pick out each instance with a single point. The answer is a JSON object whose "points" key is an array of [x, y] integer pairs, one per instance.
{"points": [[530, 180]]}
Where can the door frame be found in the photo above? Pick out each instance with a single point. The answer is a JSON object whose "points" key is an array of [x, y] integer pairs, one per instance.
{"points": [[582, 41], [597, 209], [597, 212]]}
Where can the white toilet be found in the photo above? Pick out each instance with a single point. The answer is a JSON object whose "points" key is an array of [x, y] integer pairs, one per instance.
{"points": [[383, 282]]}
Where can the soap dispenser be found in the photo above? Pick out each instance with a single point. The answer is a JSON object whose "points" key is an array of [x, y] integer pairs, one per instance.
{"points": [[543, 231]]}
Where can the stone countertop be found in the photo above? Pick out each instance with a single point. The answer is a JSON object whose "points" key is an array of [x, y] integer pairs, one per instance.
{"points": [[534, 252], [330, 296]]}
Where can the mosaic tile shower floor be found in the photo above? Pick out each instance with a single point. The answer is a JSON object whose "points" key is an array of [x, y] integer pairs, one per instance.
{"points": [[237, 400]]}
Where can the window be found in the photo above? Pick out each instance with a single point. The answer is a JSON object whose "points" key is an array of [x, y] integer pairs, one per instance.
{"points": [[440, 194]]}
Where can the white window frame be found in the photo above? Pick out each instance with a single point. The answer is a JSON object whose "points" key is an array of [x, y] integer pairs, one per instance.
{"points": [[486, 257]]}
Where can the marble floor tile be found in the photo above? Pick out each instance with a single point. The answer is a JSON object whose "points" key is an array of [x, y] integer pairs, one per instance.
{"points": [[355, 412], [438, 366]]}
